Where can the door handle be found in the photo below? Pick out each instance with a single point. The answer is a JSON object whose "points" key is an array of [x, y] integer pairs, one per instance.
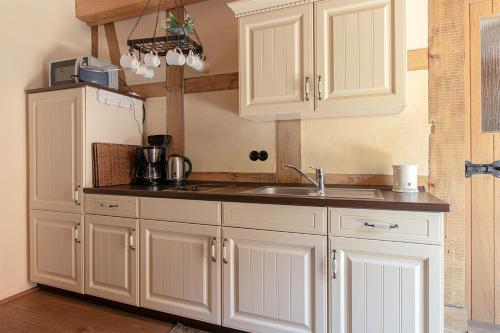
{"points": [[132, 239], [76, 195], [320, 88], [334, 264], [482, 169], [307, 89], [77, 233], [224, 252], [212, 249]]}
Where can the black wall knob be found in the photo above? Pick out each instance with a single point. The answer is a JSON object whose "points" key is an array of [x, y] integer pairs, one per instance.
{"points": [[254, 155], [263, 155]]}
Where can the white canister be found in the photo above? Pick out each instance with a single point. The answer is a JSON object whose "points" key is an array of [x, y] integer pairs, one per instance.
{"points": [[405, 178]]}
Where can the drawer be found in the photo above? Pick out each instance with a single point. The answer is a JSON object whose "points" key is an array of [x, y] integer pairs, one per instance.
{"points": [[177, 210], [308, 220], [112, 205], [401, 226]]}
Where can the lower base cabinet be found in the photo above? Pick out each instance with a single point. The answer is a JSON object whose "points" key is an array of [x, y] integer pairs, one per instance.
{"points": [[181, 270], [274, 282], [385, 287], [56, 253], [111, 258]]}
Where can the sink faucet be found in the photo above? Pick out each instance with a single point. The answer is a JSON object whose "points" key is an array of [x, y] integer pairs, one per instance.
{"points": [[320, 177]]}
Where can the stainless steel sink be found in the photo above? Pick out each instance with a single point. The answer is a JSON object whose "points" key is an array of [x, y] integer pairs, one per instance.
{"points": [[341, 192]]}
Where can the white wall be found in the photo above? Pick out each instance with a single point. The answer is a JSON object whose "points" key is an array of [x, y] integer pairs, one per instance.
{"points": [[32, 33]]}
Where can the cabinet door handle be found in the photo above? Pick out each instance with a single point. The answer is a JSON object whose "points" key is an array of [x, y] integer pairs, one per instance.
{"points": [[76, 195], [307, 88], [77, 233], [224, 252], [212, 249], [385, 226], [132, 239], [320, 88], [334, 264]]}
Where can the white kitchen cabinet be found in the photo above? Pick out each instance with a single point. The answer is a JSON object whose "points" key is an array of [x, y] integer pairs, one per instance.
{"points": [[63, 125], [274, 281], [385, 286], [111, 258], [360, 57], [181, 270], [277, 63], [56, 253], [324, 58], [56, 150]]}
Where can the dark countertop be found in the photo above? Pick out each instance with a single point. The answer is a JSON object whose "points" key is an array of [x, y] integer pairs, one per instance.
{"points": [[79, 85], [421, 201]]}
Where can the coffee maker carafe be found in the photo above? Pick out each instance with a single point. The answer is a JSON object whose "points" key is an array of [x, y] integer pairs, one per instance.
{"points": [[150, 169]]}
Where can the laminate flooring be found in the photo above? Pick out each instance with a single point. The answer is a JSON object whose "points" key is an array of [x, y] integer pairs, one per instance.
{"points": [[46, 312]]}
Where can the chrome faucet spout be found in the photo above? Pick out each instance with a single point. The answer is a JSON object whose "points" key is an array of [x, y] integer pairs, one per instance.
{"points": [[320, 179]]}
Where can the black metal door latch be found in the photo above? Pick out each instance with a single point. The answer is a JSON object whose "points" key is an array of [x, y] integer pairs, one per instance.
{"points": [[482, 169]]}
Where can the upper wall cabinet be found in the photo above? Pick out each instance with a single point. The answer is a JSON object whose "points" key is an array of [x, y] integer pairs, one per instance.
{"points": [[322, 58]]}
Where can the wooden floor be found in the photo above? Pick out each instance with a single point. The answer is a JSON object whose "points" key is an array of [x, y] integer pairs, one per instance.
{"points": [[45, 312]]}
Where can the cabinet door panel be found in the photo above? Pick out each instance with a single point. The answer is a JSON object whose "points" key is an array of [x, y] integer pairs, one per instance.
{"points": [[276, 57], [55, 149], [386, 286], [111, 259], [361, 56], [56, 256], [274, 282], [178, 273]]}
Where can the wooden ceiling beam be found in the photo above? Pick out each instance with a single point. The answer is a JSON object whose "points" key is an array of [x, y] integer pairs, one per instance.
{"points": [[192, 85], [97, 12]]}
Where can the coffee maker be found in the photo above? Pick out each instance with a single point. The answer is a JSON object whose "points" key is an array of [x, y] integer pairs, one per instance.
{"points": [[150, 169]]}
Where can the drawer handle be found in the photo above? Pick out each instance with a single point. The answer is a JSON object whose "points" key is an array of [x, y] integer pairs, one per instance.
{"points": [[212, 249], [224, 252], [385, 226], [108, 206]]}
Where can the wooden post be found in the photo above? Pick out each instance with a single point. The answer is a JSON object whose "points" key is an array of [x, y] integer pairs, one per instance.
{"points": [[94, 30], [175, 100], [288, 150], [446, 152], [114, 52]]}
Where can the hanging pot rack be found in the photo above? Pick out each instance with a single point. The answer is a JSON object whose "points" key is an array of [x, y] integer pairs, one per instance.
{"points": [[163, 44]]}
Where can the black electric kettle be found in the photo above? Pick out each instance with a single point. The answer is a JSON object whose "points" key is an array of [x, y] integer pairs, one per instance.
{"points": [[176, 169]]}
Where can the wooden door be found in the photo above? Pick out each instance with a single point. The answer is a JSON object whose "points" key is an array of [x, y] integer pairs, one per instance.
{"points": [[482, 191], [56, 254], [111, 259], [56, 150], [274, 281], [385, 286], [181, 270], [360, 56], [276, 63]]}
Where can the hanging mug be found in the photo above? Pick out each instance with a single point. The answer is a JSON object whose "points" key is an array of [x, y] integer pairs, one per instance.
{"points": [[175, 57], [140, 70], [151, 59], [193, 60], [129, 61], [149, 73]]}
